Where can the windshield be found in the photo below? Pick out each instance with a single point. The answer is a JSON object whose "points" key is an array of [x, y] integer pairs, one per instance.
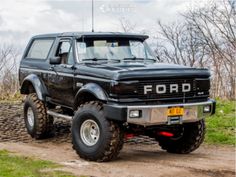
{"points": [[113, 49]]}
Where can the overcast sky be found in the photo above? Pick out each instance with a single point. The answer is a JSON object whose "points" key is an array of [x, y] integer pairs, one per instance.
{"points": [[20, 19]]}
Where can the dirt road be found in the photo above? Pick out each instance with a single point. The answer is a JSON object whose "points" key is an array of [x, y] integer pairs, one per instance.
{"points": [[136, 160], [144, 159]]}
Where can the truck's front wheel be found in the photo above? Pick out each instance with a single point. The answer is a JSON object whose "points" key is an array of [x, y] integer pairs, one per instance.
{"points": [[192, 137], [94, 137]]}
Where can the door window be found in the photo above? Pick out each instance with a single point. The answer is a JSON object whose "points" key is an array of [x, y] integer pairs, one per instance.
{"points": [[65, 51]]}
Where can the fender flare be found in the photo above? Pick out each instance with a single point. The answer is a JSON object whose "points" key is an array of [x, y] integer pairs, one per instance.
{"points": [[37, 84], [92, 89]]}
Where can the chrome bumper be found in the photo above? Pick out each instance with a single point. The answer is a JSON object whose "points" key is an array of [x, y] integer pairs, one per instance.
{"points": [[157, 114]]}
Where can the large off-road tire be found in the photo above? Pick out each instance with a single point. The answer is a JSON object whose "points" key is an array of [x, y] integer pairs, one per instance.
{"points": [[38, 124], [94, 137], [192, 137]]}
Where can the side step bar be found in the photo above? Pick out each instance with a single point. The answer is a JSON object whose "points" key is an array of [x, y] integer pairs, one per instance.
{"points": [[55, 114]]}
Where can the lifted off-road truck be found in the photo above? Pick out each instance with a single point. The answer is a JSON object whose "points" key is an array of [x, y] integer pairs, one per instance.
{"points": [[110, 85]]}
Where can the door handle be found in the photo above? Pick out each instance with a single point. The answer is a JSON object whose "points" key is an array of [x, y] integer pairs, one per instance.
{"points": [[51, 68]]}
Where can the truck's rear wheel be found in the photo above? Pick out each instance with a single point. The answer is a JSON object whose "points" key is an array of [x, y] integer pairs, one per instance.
{"points": [[94, 137], [191, 139], [38, 123]]}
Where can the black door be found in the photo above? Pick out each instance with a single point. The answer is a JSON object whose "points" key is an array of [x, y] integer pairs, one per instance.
{"points": [[61, 76]]}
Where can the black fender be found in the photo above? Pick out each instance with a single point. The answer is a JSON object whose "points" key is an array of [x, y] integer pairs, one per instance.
{"points": [[90, 89], [38, 85]]}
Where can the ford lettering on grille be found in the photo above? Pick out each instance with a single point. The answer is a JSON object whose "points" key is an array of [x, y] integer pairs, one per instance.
{"points": [[162, 88]]}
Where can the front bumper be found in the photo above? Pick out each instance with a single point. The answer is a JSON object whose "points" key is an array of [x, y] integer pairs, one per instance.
{"points": [[157, 114]]}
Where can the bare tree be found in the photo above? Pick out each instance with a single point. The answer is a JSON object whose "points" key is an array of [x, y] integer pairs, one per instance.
{"points": [[217, 27], [181, 45], [9, 70], [205, 38], [126, 25], [5, 54]]}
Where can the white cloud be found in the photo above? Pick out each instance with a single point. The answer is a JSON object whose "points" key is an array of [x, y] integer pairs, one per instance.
{"points": [[21, 19]]}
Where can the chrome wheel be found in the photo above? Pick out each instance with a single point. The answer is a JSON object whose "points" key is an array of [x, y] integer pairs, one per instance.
{"points": [[89, 132], [30, 117]]}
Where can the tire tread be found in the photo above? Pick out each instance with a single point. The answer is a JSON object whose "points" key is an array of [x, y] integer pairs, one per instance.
{"points": [[193, 137], [114, 143]]}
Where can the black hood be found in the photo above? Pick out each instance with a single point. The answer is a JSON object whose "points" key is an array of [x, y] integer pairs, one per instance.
{"points": [[135, 70]]}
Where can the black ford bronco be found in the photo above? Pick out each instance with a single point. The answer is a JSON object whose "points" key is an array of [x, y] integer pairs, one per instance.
{"points": [[110, 86]]}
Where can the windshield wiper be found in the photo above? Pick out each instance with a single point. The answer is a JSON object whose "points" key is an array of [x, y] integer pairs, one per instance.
{"points": [[101, 59], [152, 59], [135, 58], [132, 58], [95, 59]]}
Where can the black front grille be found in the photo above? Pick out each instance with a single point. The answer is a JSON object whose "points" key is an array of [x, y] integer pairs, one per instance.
{"points": [[197, 92]]}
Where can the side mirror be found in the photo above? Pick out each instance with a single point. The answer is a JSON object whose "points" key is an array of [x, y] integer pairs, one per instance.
{"points": [[55, 60]]}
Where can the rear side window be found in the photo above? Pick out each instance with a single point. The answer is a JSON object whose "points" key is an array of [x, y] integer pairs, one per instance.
{"points": [[40, 49]]}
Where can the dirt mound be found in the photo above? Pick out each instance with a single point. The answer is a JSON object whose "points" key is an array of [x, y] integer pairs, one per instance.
{"points": [[12, 127]]}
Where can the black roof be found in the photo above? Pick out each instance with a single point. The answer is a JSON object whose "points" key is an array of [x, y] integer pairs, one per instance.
{"points": [[93, 34]]}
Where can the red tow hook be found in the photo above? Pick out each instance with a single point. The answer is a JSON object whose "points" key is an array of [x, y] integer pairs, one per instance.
{"points": [[129, 136], [167, 134]]}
